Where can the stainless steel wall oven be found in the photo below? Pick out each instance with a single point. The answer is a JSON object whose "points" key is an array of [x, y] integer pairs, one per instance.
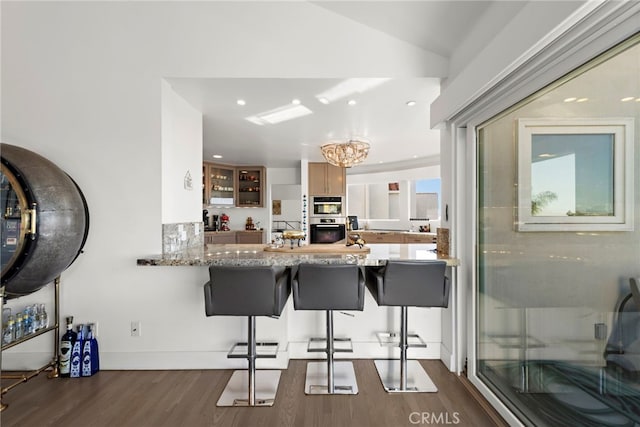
{"points": [[327, 230]]}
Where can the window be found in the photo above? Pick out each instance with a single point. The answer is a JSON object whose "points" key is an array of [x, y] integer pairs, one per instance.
{"points": [[573, 174], [427, 199]]}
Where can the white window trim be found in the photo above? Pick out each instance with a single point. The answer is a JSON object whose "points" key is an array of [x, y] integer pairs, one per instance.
{"points": [[622, 129]]}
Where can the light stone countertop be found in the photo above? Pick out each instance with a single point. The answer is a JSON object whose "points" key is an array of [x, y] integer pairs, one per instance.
{"points": [[254, 255]]}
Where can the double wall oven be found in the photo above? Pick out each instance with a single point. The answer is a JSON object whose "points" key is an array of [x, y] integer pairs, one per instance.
{"points": [[327, 220]]}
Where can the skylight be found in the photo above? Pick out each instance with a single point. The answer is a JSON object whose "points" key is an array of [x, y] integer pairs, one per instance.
{"points": [[280, 114], [349, 87]]}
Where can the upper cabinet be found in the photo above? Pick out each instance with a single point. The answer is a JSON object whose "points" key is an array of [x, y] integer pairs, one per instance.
{"points": [[250, 186], [224, 185], [219, 185], [326, 180]]}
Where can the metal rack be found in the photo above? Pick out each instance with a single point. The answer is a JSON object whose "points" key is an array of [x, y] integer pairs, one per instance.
{"points": [[279, 226], [26, 376]]}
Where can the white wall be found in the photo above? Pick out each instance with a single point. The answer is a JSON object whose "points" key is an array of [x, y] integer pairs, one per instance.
{"points": [[427, 172], [378, 203], [284, 184], [485, 62], [81, 86], [181, 155], [483, 29]]}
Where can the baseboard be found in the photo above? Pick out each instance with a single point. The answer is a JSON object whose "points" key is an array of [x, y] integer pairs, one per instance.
{"points": [[447, 358], [173, 360], [155, 360]]}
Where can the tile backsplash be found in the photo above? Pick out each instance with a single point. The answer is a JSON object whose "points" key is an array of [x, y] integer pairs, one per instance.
{"points": [[181, 236]]}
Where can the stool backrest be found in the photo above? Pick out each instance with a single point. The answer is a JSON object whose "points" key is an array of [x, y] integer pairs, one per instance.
{"points": [[415, 284], [246, 291], [328, 287]]}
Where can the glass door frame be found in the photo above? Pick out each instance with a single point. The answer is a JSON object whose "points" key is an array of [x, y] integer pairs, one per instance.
{"points": [[579, 41]]}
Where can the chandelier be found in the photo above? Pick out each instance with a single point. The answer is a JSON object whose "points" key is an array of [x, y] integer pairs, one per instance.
{"points": [[345, 154]]}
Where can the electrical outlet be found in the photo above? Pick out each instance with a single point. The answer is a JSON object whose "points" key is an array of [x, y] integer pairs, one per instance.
{"points": [[600, 331], [135, 328]]}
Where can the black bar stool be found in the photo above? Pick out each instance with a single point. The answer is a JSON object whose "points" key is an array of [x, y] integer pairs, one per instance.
{"points": [[407, 284], [329, 287], [248, 291]]}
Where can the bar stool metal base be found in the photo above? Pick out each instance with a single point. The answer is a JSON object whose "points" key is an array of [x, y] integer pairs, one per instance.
{"points": [[417, 379], [340, 345], [392, 339], [343, 373], [236, 391], [240, 350]]}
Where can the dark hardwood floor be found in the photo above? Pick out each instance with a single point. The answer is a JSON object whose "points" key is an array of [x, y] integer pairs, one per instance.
{"points": [[188, 398]]}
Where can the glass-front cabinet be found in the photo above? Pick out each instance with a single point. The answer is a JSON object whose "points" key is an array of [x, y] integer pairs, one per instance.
{"points": [[224, 185], [219, 187], [250, 186]]}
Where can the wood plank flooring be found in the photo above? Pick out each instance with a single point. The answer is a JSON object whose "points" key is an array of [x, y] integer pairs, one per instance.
{"points": [[188, 398]]}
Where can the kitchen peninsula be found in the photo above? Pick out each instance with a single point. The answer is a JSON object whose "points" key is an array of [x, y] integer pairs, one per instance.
{"points": [[249, 255], [294, 328]]}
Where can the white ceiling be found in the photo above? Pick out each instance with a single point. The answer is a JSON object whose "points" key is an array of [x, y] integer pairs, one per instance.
{"points": [[380, 115], [399, 134], [435, 26]]}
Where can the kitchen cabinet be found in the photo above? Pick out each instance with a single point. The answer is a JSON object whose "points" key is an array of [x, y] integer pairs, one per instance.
{"points": [[218, 185], [396, 237], [233, 237], [326, 180], [254, 237], [419, 238], [219, 237], [251, 187], [224, 185], [371, 237], [381, 237]]}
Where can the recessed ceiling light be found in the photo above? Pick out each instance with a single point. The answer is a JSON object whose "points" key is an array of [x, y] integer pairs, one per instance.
{"points": [[295, 101], [415, 156], [352, 102], [217, 156], [241, 102], [582, 100], [380, 161], [323, 100], [411, 103], [627, 99], [570, 99]]}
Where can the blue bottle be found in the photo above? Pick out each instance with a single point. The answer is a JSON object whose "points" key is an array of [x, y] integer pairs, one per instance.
{"points": [[76, 353], [90, 358], [66, 347]]}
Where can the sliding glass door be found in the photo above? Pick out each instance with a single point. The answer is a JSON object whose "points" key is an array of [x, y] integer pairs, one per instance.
{"points": [[558, 248]]}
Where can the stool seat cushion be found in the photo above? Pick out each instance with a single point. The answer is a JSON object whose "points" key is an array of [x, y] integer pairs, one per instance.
{"points": [[328, 287], [246, 291], [410, 283]]}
